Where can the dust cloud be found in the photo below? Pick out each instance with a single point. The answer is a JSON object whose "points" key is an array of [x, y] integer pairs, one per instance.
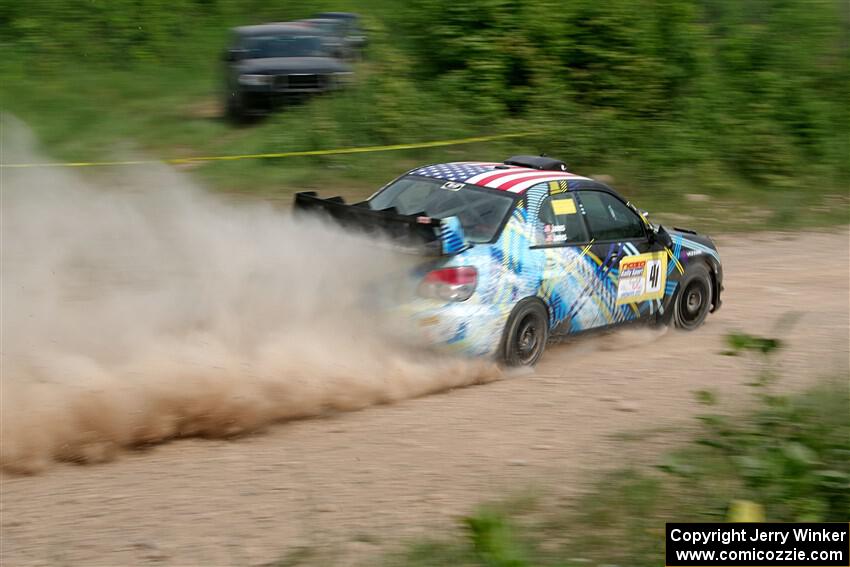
{"points": [[137, 308]]}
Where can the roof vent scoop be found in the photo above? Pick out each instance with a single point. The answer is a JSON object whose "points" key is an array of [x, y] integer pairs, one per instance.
{"points": [[537, 162]]}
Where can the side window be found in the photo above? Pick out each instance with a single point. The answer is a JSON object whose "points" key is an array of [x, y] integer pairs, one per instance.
{"points": [[609, 218], [560, 222]]}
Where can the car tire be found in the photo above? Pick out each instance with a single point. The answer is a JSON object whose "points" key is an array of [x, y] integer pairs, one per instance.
{"points": [[233, 108], [693, 299], [526, 334]]}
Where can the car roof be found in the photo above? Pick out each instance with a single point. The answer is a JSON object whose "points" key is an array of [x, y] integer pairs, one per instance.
{"points": [[493, 175], [321, 21], [279, 28], [336, 15]]}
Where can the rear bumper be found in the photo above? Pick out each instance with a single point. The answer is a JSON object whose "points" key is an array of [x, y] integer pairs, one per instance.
{"points": [[264, 101], [464, 327]]}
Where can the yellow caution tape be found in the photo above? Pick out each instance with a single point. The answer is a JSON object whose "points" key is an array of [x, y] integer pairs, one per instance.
{"points": [[338, 151]]}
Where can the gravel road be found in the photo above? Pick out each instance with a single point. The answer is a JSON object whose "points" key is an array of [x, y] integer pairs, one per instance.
{"points": [[359, 483]]}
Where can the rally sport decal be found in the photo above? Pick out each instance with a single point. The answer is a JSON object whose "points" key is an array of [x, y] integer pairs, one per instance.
{"points": [[642, 278]]}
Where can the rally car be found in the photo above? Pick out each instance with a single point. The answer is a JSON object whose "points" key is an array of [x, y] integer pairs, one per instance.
{"points": [[523, 252]]}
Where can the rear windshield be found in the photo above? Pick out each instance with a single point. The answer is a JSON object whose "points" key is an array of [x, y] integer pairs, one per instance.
{"points": [[261, 47], [481, 211]]}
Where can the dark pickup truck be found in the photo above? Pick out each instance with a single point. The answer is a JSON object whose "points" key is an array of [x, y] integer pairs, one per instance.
{"points": [[271, 64]]}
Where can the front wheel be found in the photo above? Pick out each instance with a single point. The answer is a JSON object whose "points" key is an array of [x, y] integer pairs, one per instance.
{"points": [[234, 107], [526, 334], [693, 301]]}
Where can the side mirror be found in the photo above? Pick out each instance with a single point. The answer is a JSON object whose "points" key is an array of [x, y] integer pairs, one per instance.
{"points": [[661, 236]]}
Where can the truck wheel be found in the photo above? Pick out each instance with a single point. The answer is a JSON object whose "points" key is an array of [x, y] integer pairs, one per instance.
{"points": [[693, 299], [526, 334], [233, 108]]}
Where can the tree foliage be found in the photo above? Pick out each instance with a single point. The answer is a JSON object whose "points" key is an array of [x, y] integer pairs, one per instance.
{"points": [[756, 87]]}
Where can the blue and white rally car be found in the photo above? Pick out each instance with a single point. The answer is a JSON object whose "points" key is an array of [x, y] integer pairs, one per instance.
{"points": [[523, 252]]}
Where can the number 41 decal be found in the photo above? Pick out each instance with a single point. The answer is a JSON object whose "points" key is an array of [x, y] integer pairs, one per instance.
{"points": [[642, 277]]}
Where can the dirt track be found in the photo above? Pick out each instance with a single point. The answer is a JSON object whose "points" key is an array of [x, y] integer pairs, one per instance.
{"points": [[361, 482]]}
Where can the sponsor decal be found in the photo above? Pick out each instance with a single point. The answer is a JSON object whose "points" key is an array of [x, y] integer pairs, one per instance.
{"points": [[642, 277], [554, 233], [559, 186], [564, 206], [452, 186]]}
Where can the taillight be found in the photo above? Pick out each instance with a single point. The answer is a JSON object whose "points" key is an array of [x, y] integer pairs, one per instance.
{"points": [[450, 284]]}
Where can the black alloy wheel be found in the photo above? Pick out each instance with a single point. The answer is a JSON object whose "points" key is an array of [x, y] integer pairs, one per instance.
{"points": [[526, 334], [693, 300]]}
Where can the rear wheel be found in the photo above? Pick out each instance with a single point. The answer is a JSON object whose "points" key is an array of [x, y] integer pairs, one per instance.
{"points": [[235, 107], [526, 334], [693, 301]]}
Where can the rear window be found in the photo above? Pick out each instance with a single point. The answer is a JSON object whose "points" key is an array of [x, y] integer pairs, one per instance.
{"points": [[481, 211]]}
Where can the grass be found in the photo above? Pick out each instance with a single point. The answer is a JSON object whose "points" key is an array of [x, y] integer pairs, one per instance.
{"points": [[156, 114], [169, 112], [129, 80], [159, 112]]}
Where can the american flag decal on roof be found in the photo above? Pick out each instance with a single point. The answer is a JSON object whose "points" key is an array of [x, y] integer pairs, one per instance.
{"points": [[493, 175]]}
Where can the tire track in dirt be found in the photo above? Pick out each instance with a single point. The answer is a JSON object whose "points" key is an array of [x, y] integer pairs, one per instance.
{"points": [[360, 483]]}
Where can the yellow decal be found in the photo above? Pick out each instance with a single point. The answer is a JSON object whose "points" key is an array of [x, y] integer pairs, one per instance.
{"points": [[642, 278], [676, 261], [559, 186], [564, 206]]}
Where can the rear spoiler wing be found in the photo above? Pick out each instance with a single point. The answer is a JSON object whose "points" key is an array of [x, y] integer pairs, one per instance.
{"points": [[431, 236]]}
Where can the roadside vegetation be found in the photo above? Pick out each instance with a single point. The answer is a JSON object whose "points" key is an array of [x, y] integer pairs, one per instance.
{"points": [[735, 110], [786, 460]]}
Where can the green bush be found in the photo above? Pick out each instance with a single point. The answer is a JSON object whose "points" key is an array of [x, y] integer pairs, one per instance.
{"points": [[676, 95]]}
